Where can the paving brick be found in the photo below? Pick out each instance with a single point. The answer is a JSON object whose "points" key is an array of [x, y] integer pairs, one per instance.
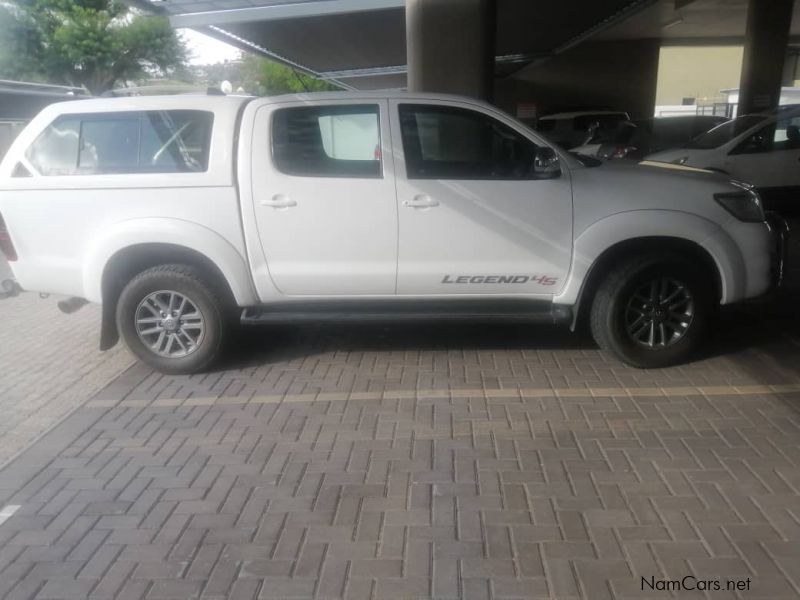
{"points": [[297, 476], [42, 385], [174, 589]]}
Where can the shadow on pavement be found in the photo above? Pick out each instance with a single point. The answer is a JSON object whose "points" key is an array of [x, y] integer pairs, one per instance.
{"points": [[772, 329], [255, 346], [763, 339]]}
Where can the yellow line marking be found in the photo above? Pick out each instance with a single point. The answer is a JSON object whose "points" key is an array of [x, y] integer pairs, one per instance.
{"points": [[486, 394]]}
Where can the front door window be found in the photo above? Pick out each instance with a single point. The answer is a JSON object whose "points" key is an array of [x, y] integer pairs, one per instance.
{"points": [[454, 143]]}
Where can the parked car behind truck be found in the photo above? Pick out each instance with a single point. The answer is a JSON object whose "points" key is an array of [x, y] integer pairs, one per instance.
{"points": [[641, 137], [763, 149], [184, 216], [571, 129]]}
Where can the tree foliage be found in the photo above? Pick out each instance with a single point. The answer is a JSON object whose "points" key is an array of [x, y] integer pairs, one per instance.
{"points": [[91, 43], [266, 78], [261, 76]]}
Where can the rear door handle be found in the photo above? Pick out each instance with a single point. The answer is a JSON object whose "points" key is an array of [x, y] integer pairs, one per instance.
{"points": [[279, 201], [421, 202]]}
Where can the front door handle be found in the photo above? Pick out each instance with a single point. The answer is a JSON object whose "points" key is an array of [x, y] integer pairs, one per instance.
{"points": [[421, 201], [279, 201]]}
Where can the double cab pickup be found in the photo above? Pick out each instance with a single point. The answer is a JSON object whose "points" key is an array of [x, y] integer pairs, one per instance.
{"points": [[186, 216]]}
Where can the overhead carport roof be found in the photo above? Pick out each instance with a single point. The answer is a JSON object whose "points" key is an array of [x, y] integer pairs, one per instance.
{"points": [[362, 43], [691, 22]]}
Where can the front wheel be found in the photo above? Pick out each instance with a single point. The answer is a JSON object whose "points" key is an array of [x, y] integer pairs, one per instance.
{"points": [[653, 311], [172, 319]]}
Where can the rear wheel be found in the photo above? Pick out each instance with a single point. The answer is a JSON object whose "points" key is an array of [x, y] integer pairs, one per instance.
{"points": [[172, 319], [653, 311]]}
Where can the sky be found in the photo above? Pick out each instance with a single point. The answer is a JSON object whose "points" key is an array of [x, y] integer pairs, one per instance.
{"points": [[206, 50]]}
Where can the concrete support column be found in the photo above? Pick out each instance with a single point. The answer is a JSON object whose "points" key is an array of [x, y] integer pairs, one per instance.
{"points": [[767, 37], [450, 46]]}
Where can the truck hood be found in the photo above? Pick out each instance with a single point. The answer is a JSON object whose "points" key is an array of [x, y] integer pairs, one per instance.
{"points": [[694, 156], [621, 186], [664, 172]]}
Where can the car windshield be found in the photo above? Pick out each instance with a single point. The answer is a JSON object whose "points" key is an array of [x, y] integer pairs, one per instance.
{"points": [[627, 130], [586, 161], [610, 134], [604, 124], [722, 134]]}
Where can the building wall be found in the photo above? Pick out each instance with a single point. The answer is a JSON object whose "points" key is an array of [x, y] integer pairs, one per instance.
{"points": [[697, 72], [618, 75]]}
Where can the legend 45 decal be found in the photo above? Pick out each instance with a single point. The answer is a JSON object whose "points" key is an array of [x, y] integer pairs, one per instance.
{"points": [[495, 279]]}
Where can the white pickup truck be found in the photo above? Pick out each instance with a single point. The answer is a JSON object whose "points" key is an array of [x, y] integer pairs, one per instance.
{"points": [[184, 216]]}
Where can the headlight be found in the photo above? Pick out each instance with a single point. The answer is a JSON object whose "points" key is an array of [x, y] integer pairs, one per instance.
{"points": [[680, 161], [745, 205]]}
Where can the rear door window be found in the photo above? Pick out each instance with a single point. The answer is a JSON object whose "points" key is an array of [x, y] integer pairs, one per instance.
{"points": [[173, 141], [328, 141]]}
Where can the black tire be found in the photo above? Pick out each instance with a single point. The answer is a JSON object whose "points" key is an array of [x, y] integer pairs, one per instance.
{"points": [[188, 282], [617, 307]]}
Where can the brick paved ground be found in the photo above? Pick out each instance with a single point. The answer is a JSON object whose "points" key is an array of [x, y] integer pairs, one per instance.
{"points": [[446, 462], [40, 382]]}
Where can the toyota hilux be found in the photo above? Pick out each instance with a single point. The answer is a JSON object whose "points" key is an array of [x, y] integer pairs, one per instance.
{"points": [[186, 216]]}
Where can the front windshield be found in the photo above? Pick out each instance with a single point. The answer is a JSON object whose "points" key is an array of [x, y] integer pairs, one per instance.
{"points": [[722, 134], [586, 161]]}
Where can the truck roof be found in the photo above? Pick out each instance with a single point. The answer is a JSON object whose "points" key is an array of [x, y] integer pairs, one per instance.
{"points": [[221, 103], [183, 101], [379, 95]]}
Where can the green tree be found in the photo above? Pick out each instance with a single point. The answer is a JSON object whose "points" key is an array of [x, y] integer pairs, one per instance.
{"points": [[91, 43], [266, 78]]}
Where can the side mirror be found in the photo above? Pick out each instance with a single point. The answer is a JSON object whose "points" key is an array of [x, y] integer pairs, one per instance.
{"points": [[546, 164]]}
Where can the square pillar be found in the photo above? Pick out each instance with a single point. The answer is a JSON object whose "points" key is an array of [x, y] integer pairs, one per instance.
{"points": [[766, 40], [451, 46]]}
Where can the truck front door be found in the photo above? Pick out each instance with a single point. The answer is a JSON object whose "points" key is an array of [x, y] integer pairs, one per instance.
{"points": [[474, 217], [324, 198]]}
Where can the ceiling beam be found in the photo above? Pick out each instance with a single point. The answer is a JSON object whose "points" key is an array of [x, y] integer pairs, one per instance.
{"points": [[636, 6], [403, 69], [276, 12], [368, 72]]}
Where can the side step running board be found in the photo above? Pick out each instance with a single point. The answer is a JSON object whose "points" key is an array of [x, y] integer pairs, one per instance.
{"points": [[267, 315]]}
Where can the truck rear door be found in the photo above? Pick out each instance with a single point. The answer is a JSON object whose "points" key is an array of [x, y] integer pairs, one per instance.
{"points": [[323, 198]]}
